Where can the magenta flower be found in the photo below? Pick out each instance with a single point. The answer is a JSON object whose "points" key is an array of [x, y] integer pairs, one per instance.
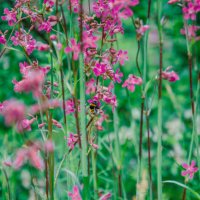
{"points": [[75, 49], [31, 154], [117, 76], [49, 3], [45, 26], [75, 195], [2, 39], [13, 111], [122, 56], [189, 11], [191, 31], [90, 86], [72, 140], [25, 40], [173, 1], [131, 82], [170, 76], [142, 29], [43, 47], [105, 196], [24, 125], [75, 5], [10, 16], [49, 146], [69, 106], [99, 69], [190, 169]]}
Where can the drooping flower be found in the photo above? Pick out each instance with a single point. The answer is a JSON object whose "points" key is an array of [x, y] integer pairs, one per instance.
{"points": [[75, 49], [31, 154], [131, 82], [13, 111], [189, 169], [2, 39], [122, 56], [24, 125], [75, 195], [171, 76], [10, 16], [72, 140]]}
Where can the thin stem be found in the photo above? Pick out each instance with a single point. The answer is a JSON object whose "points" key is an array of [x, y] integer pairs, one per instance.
{"points": [[159, 146]]}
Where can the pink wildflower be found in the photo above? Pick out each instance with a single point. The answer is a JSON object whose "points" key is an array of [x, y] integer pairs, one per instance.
{"points": [[56, 123], [75, 195], [99, 69], [10, 16], [49, 3], [142, 29], [48, 146], [13, 111], [28, 153], [173, 1], [189, 11], [43, 47], [70, 106], [131, 82], [45, 26], [190, 169], [24, 125], [117, 76], [72, 140], [75, 49], [122, 56], [105, 196], [90, 86], [170, 76], [2, 39]]}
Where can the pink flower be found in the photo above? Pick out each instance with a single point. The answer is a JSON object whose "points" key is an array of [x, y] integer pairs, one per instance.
{"points": [[45, 26], [105, 196], [24, 125], [90, 86], [28, 153], [99, 69], [131, 82], [117, 76], [173, 1], [13, 111], [10, 16], [72, 140], [49, 3], [53, 37], [142, 29], [170, 76], [75, 195], [75, 49], [2, 39], [48, 146], [25, 40], [56, 123], [191, 31], [100, 121], [69, 106], [190, 169], [189, 11], [122, 56], [43, 47]]}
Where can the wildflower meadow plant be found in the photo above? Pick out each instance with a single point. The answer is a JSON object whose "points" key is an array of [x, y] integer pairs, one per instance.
{"points": [[87, 91]]}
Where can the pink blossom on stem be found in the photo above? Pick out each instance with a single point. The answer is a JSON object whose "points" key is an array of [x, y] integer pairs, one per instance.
{"points": [[189, 169], [75, 195], [191, 32], [48, 146], [170, 76], [75, 49], [24, 125], [173, 1], [43, 47], [122, 56], [117, 76], [131, 82], [72, 140], [90, 86], [105, 196], [13, 111], [49, 3], [2, 39], [189, 11], [45, 26], [99, 69], [69, 106], [10, 16], [56, 123], [142, 29]]}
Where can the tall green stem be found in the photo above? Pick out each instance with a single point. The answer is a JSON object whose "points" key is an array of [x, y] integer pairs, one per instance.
{"points": [[159, 146]]}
